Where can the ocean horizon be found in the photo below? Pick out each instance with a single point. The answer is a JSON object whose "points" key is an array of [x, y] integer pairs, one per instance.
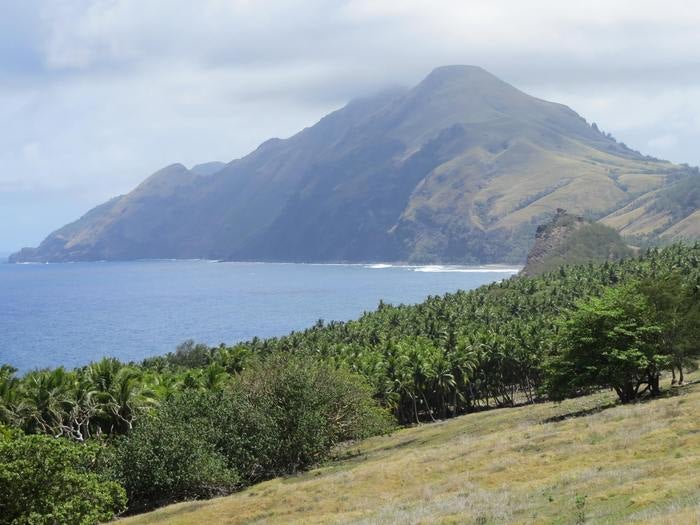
{"points": [[68, 314]]}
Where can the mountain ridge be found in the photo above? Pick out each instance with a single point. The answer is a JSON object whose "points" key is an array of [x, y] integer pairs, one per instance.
{"points": [[459, 169]]}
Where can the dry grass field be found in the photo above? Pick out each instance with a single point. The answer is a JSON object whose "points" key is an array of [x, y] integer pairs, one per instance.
{"points": [[585, 460]]}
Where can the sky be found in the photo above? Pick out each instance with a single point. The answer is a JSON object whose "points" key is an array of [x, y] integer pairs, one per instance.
{"points": [[97, 94]]}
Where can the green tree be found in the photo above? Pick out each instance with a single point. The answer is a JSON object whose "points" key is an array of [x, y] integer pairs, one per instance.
{"points": [[609, 341], [283, 414], [676, 308], [314, 406]]}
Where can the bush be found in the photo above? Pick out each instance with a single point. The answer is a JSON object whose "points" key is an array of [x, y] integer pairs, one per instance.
{"points": [[164, 460], [314, 406], [283, 414], [46, 480]]}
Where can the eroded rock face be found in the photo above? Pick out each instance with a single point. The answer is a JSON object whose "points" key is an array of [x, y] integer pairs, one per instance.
{"points": [[550, 237], [570, 239]]}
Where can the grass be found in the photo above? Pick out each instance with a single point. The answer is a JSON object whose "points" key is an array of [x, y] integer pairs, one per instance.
{"points": [[585, 460]]}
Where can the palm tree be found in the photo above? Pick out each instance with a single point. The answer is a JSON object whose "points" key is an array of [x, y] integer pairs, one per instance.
{"points": [[10, 397], [119, 393], [48, 401], [213, 377]]}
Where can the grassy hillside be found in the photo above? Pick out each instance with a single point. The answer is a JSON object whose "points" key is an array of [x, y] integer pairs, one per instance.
{"points": [[668, 214], [581, 461]]}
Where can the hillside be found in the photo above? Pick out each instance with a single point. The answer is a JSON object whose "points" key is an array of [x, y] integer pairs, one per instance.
{"points": [[570, 239], [669, 214], [461, 168], [583, 460]]}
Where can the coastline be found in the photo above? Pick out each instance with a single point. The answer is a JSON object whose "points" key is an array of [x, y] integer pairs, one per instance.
{"points": [[372, 265]]}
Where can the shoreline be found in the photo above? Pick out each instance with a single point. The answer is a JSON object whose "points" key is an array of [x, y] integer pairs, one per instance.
{"points": [[371, 265]]}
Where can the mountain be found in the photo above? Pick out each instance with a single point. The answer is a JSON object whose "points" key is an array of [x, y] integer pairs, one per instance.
{"points": [[570, 239], [460, 169], [208, 168]]}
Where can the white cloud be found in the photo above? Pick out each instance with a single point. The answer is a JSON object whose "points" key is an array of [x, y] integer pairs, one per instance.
{"points": [[663, 142], [95, 94]]}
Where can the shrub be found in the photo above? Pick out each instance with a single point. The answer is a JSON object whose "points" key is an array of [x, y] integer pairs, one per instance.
{"points": [[163, 460], [314, 406], [46, 480], [283, 414]]}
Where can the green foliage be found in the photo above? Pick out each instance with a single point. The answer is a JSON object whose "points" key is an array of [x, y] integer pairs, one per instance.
{"points": [[609, 341], [446, 356], [45, 480], [313, 406], [625, 337], [187, 355], [163, 460], [282, 415], [470, 350], [104, 397], [676, 307]]}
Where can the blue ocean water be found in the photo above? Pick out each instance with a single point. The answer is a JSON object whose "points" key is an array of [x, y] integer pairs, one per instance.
{"points": [[70, 314]]}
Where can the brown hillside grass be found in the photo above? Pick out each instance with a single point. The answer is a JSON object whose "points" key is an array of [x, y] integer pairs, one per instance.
{"points": [[585, 460]]}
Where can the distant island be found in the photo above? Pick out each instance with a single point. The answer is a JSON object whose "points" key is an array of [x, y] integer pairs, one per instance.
{"points": [[459, 169]]}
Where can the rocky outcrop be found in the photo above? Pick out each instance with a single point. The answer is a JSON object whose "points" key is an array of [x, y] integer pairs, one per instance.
{"points": [[570, 239]]}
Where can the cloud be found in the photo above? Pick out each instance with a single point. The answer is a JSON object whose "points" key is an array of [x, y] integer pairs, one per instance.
{"points": [[96, 94]]}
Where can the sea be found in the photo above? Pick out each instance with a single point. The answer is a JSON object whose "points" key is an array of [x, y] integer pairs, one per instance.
{"points": [[68, 314]]}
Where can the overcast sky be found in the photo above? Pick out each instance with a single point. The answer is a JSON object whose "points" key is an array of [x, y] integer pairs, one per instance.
{"points": [[97, 94]]}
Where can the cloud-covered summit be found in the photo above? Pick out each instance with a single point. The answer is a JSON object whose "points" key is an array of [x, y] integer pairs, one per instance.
{"points": [[96, 93]]}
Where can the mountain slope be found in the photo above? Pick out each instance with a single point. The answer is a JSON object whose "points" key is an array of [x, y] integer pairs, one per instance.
{"points": [[458, 169], [579, 461], [670, 213]]}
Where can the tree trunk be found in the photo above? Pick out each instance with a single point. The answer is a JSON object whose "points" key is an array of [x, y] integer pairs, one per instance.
{"points": [[427, 406], [626, 392], [654, 385]]}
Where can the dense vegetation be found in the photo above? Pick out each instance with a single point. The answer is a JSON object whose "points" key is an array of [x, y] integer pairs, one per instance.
{"points": [[117, 431], [205, 421], [496, 346], [47, 481]]}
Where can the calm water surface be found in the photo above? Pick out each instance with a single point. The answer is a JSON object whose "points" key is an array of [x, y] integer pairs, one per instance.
{"points": [[70, 314]]}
